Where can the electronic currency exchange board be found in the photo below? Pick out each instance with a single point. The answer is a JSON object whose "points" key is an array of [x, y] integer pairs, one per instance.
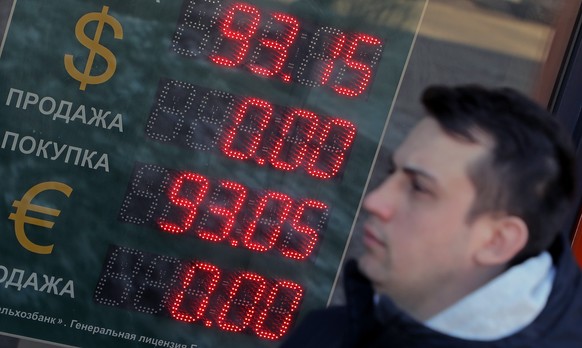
{"points": [[186, 173]]}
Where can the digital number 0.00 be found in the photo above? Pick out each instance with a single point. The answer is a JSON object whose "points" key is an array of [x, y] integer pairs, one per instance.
{"points": [[223, 211], [237, 34], [250, 129], [198, 292]]}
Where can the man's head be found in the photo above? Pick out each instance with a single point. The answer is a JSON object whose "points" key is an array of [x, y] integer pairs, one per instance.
{"points": [[481, 183]]}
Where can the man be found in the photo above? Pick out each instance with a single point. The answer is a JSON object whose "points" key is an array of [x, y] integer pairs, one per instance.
{"points": [[462, 243]]}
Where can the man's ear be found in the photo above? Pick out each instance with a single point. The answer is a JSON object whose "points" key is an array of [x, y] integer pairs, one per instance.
{"points": [[506, 236]]}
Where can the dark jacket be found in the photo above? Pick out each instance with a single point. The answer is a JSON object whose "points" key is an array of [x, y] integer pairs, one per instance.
{"points": [[356, 324]]}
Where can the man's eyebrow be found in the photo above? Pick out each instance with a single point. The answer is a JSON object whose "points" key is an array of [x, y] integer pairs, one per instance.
{"points": [[411, 170]]}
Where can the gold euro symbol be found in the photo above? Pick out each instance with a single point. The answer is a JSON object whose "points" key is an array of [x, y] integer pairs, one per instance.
{"points": [[23, 206], [95, 48]]}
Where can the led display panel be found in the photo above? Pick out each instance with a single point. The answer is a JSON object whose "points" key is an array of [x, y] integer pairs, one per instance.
{"points": [[186, 172]]}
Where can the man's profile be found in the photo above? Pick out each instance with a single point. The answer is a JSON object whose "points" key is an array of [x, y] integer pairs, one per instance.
{"points": [[462, 243]]}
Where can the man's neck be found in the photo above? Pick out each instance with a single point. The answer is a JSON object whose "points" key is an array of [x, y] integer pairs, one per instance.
{"points": [[423, 306]]}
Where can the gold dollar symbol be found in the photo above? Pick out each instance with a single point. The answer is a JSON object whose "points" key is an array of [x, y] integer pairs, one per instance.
{"points": [[95, 48]]}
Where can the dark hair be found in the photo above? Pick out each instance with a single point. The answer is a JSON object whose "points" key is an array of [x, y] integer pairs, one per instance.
{"points": [[530, 170]]}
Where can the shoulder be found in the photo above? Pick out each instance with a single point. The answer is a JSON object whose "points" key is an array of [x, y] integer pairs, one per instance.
{"points": [[320, 328]]}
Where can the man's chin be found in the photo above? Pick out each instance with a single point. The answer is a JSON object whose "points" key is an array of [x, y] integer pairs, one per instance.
{"points": [[364, 264]]}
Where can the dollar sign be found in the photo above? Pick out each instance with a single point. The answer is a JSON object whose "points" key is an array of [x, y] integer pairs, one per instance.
{"points": [[94, 48]]}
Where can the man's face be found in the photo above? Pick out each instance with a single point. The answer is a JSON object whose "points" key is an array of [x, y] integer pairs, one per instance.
{"points": [[418, 236]]}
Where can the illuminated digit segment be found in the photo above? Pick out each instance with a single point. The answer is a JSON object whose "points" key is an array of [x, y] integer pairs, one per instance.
{"points": [[190, 203], [309, 237], [239, 38], [337, 145], [324, 49], [362, 70], [279, 47], [306, 122], [258, 123], [253, 130], [273, 229], [205, 295], [229, 214], [224, 211], [245, 292], [331, 53], [191, 301], [274, 321]]}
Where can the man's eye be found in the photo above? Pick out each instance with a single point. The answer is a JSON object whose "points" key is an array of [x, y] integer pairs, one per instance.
{"points": [[417, 187]]}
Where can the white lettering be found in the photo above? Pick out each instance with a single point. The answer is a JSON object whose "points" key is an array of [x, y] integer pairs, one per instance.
{"points": [[11, 93], [103, 162], [30, 99], [14, 142], [98, 118], [80, 114], [86, 162], [31, 281], [60, 114], [69, 288], [15, 283], [5, 275], [52, 108], [117, 123], [71, 149], [58, 151], [42, 146], [50, 284], [21, 145]]}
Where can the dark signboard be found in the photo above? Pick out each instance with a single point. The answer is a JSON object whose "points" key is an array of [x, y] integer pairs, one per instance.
{"points": [[185, 173]]}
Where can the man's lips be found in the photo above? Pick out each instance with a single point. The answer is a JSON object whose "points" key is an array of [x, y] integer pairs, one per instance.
{"points": [[370, 238]]}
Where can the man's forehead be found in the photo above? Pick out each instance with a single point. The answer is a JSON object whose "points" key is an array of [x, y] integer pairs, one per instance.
{"points": [[428, 147]]}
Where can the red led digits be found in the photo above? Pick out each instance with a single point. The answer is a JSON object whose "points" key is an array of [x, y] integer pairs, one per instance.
{"points": [[363, 70], [239, 36], [190, 203], [325, 167], [307, 122], [224, 211], [273, 321], [324, 49], [273, 230], [335, 49], [228, 213], [309, 238], [253, 129], [244, 295], [282, 48], [252, 136], [279, 48], [190, 303], [203, 294]]}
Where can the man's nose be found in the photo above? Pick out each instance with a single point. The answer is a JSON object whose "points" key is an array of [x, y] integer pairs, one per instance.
{"points": [[381, 201]]}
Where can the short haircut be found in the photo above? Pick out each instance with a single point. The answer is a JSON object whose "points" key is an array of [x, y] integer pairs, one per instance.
{"points": [[530, 171]]}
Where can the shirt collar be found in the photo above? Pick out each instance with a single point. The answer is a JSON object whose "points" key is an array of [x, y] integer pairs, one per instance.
{"points": [[503, 306]]}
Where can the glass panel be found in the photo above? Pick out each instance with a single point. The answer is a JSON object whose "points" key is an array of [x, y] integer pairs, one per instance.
{"points": [[186, 171], [191, 171], [518, 44]]}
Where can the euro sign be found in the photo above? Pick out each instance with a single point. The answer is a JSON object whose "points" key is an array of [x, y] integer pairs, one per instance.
{"points": [[95, 48], [24, 205]]}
